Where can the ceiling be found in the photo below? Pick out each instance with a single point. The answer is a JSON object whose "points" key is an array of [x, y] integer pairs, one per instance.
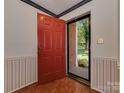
{"points": [[56, 8]]}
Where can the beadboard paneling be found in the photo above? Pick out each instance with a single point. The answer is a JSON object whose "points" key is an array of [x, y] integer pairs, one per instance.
{"points": [[105, 75], [20, 72]]}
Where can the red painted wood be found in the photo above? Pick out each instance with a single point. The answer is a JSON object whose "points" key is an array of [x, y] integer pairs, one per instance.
{"points": [[51, 48]]}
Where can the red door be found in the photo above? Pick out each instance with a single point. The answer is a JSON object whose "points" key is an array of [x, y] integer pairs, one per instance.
{"points": [[51, 48]]}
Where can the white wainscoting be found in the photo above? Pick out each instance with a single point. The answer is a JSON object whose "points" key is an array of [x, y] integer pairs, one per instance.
{"points": [[105, 74], [20, 72]]}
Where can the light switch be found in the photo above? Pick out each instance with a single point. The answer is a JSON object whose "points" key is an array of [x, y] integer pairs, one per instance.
{"points": [[100, 41]]}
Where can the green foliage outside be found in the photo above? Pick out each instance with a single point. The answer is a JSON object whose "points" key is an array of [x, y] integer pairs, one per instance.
{"points": [[83, 33], [83, 39]]}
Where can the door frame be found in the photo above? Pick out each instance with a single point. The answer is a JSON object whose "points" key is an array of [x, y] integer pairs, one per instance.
{"points": [[75, 20]]}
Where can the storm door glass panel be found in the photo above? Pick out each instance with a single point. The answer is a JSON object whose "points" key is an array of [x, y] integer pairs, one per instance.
{"points": [[79, 48]]}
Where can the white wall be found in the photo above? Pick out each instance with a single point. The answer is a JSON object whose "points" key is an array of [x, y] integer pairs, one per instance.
{"points": [[20, 29], [20, 44], [104, 24]]}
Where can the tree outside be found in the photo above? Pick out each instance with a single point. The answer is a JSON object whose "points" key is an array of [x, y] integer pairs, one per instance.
{"points": [[83, 41]]}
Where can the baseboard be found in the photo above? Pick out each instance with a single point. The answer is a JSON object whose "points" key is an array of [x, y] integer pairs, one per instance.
{"points": [[32, 83], [97, 90]]}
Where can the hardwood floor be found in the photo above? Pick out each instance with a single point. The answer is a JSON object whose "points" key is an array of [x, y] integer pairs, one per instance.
{"points": [[64, 85]]}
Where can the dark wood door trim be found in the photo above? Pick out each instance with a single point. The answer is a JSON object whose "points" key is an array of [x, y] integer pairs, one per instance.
{"points": [[75, 20]]}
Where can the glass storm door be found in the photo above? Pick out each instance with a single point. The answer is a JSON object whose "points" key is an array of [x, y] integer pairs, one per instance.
{"points": [[79, 47]]}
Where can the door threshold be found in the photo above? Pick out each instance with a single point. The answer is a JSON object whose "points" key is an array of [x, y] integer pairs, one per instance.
{"points": [[80, 80]]}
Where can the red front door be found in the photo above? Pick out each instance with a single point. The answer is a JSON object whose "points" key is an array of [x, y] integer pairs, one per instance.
{"points": [[51, 48]]}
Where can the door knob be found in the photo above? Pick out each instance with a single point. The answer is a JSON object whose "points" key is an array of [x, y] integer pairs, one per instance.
{"points": [[39, 49]]}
